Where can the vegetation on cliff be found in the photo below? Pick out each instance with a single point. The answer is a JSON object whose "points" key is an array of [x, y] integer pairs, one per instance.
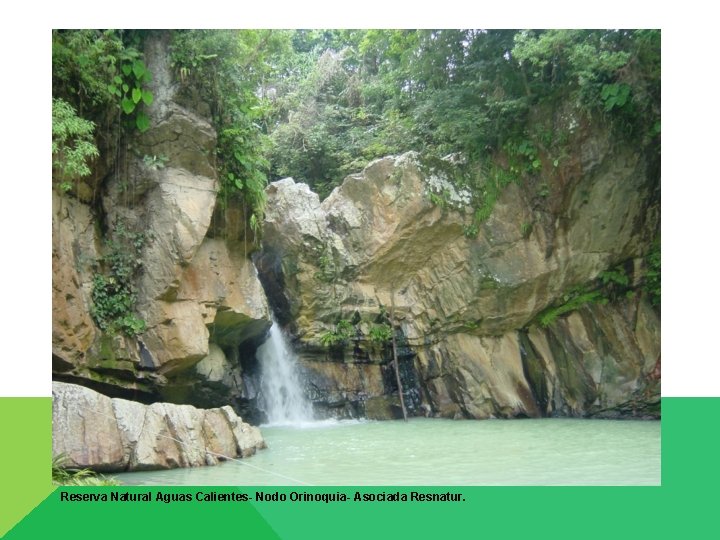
{"points": [[352, 96], [99, 94], [505, 105], [320, 104]]}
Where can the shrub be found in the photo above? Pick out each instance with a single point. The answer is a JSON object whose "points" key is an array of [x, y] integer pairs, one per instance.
{"points": [[113, 294], [72, 145], [380, 333]]}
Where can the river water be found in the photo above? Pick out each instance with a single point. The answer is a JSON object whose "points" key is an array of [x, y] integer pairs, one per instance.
{"points": [[439, 452]]}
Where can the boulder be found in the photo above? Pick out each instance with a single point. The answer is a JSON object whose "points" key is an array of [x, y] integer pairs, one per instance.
{"points": [[85, 430], [248, 439], [104, 434]]}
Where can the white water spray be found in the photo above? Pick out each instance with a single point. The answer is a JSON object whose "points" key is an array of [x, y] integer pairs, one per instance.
{"points": [[282, 396]]}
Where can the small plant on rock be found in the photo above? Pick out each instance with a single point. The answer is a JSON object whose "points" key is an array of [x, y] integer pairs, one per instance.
{"points": [[380, 333], [155, 162], [113, 293], [72, 145], [342, 333]]}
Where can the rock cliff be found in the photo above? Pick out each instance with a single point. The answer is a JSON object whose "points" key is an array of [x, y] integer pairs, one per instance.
{"points": [[466, 307], [197, 292]]}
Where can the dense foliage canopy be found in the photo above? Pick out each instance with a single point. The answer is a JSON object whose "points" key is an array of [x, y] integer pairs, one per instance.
{"points": [[319, 104], [347, 97]]}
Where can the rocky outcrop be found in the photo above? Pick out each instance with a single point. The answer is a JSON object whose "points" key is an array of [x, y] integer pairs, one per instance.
{"points": [[74, 243], [190, 285], [379, 234], [464, 305], [224, 281], [93, 431], [197, 292], [359, 382], [597, 361]]}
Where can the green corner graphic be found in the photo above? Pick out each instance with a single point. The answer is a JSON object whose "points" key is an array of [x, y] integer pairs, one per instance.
{"points": [[25, 456], [684, 506]]}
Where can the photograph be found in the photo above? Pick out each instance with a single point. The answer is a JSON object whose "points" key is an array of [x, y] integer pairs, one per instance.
{"points": [[355, 257]]}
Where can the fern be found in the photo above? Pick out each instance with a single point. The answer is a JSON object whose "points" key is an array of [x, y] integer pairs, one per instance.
{"points": [[63, 476]]}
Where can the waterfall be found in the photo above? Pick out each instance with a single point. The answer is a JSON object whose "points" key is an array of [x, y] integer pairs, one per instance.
{"points": [[282, 397]]}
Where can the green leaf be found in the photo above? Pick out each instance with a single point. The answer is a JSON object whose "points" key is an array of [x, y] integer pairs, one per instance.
{"points": [[117, 79], [142, 122], [126, 69], [609, 90], [147, 97], [127, 105], [623, 95], [241, 158], [136, 95], [254, 223], [138, 68], [238, 183], [536, 164], [125, 88], [112, 89]]}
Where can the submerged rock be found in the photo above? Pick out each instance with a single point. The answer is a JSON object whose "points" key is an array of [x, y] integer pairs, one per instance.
{"points": [[94, 431]]}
